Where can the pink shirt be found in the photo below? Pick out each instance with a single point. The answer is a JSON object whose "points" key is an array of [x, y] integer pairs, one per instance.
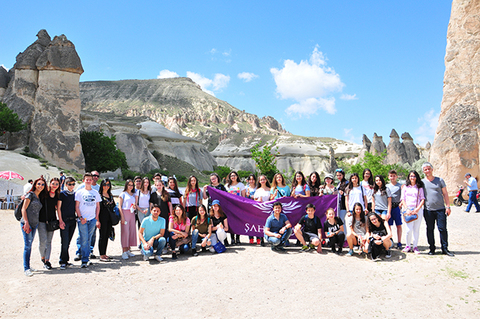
{"points": [[180, 227], [412, 196]]}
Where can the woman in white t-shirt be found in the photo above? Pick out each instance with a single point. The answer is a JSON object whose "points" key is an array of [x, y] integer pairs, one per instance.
{"points": [[127, 204], [368, 186], [262, 194], [355, 194], [144, 199], [234, 186]]}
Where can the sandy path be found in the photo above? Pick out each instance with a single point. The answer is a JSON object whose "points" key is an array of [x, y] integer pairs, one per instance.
{"points": [[247, 281]]}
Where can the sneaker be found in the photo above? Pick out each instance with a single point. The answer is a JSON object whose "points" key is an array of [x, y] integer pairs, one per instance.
{"points": [[376, 259], [305, 248], [174, 255], [406, 249], [158, 258], [399, 246], [28, 273], [280, 248], [89, 263], [164, 251], [415, 250], [77, 258], [251, 241], [312, 246], [47, 265], [273, 248], [92, 256], [259, 241], [130, 254], [84, 265], [211, 249], [287, 243], [69, 264], [350, 253], [145, 258], [125, 255], [388, 254], [63, 266]]}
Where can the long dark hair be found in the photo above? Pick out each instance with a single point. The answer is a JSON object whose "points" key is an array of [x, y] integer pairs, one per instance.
{"points": [[274, 180], [128, 181], [295, 183], [370, 179], [370, 225], [34, 187], [383, 188], [149, 188], [183, 218], [189, 189], [362, 214], [198, 219], [317, 182], [350, 184], [267, 183], [418, 181], [109, 190], [229, 181], [175, 188], [57, 191]]}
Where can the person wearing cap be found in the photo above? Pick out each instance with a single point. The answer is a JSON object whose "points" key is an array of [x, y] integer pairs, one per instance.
{"points": [[472, 187], [219, 224], [328, 188]]}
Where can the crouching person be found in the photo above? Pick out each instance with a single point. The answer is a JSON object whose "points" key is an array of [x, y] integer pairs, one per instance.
{"points": [[277, 228], [309, 228], [334, 231], [201, 230], [151, 234]]}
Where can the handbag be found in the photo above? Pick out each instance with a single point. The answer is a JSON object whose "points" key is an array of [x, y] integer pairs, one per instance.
{"points": [[219, 247], [410, 218], [115, 215], [18, 211]]}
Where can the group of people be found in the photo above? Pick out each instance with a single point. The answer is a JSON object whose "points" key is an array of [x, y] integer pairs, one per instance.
{"points": [[160, 217]]}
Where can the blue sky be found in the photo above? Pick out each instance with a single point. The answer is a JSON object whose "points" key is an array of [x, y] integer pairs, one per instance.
{"points": [[321, 68]]}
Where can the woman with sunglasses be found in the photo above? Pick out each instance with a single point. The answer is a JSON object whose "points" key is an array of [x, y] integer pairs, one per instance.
{"points": [[29, 222], [48, 213], [106, 209], [127, 200]]}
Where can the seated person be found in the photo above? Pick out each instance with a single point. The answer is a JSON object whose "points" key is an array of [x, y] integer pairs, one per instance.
{"points": [[357, 224], [334, 231], [201, 226], [309, 228], [277, 228], [379, 236], [151, 234]]}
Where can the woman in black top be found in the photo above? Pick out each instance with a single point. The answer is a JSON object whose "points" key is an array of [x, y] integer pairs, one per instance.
{"points": [[379, 236], [48, 213], [314, 184], [106, 208]]}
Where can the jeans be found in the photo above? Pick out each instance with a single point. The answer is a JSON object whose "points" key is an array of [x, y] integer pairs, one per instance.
{"points": [[158, 245], [218, 236], [173, 244], [66, 236], [441, 218], [86, 232], [27, 250], [279, 241], [44, 241], [92, 244], [195, 238], [472, 199]]}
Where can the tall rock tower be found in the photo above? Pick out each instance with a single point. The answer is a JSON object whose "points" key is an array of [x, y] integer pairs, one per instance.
{"points": [[455, 149]]}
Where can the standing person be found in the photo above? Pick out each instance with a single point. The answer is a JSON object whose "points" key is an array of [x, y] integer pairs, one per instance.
{"points": [[193, 197], [66, 208], [396, 215], [219, 224], [368, 185], [314, 184], [355, 194], [62, 181], [151, 234], [379, 236], [342, 191], [334, 231], [215, 183], [27, 187], [250, 193], [382, 198], [48, 213], [87, 207], [95, 186], [29, 222], [328, 188], [137, 180], [201, 226], [127, 204], [277, 228], [436, 198], [309, 228], [412, 202], [143, 200], [279, 187], [472, 188], [357, 224], [299, 186], [107, 206], [174, 192], [179, 229], [161, 198], [234, 186], [262, 194]]}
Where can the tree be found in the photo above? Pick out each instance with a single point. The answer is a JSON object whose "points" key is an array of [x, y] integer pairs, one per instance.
{"points": [[101, 153], [376, 164], [265, 161], [9, 120]]}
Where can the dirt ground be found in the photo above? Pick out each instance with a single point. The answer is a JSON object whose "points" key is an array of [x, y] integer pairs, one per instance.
{"points": [[247, 282]]}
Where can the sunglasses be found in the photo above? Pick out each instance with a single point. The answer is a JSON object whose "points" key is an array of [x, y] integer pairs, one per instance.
{"points": [[107, 185], [96, 175], [339, 170], [70, 184]]}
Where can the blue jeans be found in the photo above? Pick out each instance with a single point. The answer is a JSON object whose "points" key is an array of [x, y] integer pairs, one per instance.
{"points": [[173, 243], [66, 236], [86, 232], [195, 238], [158, 245], [472, 199], [279, 241], [27, 250], [441, 218], [92, 243]]}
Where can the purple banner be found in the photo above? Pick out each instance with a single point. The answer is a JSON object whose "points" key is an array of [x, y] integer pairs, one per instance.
{"points": [[248, 217]]}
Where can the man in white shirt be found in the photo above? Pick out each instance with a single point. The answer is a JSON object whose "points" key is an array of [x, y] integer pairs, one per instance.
{"points": [[472, 188]]}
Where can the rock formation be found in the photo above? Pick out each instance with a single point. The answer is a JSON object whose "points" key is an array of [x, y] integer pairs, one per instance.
{"points": [[4, 79], [377, 145], [455, 150], [332, 165], [366, 145], [395, 150], [413, 154]]}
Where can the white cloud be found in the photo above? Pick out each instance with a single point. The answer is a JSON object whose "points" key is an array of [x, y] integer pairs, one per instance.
{"points": [[349, 97], [213, 51], [165, 74], [219, 81], [428, 125], [227, 53], [350, 137], [247, 76], [310, 83]]}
